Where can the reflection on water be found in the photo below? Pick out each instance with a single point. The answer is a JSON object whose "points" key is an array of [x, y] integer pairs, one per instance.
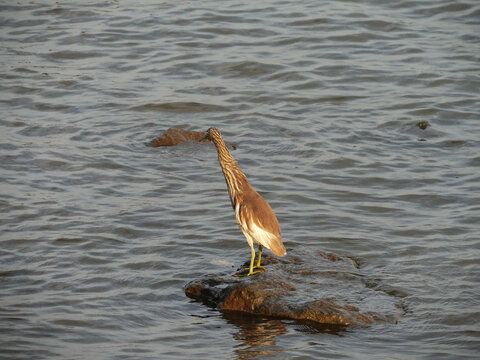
{"points": [[255, 335]]}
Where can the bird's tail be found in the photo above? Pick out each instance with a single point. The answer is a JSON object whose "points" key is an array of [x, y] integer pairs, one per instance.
{"points": [[277, 248]]}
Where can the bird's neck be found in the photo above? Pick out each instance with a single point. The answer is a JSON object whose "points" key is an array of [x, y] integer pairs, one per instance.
{"points": [[236, 180]]}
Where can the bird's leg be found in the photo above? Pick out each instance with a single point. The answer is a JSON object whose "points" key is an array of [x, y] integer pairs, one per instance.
{"points": [[252, 261], [260, 248]]}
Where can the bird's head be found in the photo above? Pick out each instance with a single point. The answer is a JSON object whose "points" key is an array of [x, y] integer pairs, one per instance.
{"points": [[213, 134]]}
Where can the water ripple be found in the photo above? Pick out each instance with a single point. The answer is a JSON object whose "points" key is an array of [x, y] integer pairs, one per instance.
{"points": [[357, 121]]}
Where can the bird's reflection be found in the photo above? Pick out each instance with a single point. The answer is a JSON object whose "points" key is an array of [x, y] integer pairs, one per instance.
{"points": [[256, 335]]}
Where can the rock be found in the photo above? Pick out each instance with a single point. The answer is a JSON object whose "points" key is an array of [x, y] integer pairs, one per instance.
{"points": [[320, 288], [175, 136], [423, 125]]}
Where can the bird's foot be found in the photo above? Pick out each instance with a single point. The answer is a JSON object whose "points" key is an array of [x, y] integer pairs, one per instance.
{"points": [[262, 268], [244, 272]]}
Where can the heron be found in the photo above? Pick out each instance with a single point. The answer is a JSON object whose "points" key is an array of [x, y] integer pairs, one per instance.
{"points": [[254, 215]]}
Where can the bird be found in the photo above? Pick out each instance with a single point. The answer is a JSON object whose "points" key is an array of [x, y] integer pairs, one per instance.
{"points": [[254, 215]]}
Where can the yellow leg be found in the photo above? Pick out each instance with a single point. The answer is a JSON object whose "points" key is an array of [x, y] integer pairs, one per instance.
{"points": [[252, 261], [260, 248]]}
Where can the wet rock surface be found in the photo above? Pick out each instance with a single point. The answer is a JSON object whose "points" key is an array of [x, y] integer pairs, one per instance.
{"points": [[318, 288], [176, 136]]}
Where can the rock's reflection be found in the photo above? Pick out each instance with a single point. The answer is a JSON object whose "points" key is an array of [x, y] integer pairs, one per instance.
{"points": [[257, 335]]}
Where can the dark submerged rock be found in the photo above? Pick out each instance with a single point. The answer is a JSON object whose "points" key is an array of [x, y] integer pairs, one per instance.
{"points": [[319, 288]]}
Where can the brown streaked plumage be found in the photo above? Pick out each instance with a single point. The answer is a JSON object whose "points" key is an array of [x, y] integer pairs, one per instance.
{"points": [[254, 215]]}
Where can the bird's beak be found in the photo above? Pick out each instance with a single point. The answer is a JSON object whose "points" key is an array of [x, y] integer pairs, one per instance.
{"points": [[205, 138]]}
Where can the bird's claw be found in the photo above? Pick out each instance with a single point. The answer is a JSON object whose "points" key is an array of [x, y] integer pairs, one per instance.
{"points": [[240, 275]]}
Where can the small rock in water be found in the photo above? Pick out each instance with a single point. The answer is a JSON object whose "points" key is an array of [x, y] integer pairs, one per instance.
{"points": [[176, 136], [320, 288], [423, 124]]}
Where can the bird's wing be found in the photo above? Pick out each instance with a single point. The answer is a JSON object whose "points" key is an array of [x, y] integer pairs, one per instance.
{"points": [[257, 218]]}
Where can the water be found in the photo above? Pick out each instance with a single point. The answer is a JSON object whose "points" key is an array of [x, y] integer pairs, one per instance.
{"points": [[100, 233]]}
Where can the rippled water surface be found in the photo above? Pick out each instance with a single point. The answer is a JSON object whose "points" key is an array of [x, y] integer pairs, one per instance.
{"points": [[99, 233]]}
